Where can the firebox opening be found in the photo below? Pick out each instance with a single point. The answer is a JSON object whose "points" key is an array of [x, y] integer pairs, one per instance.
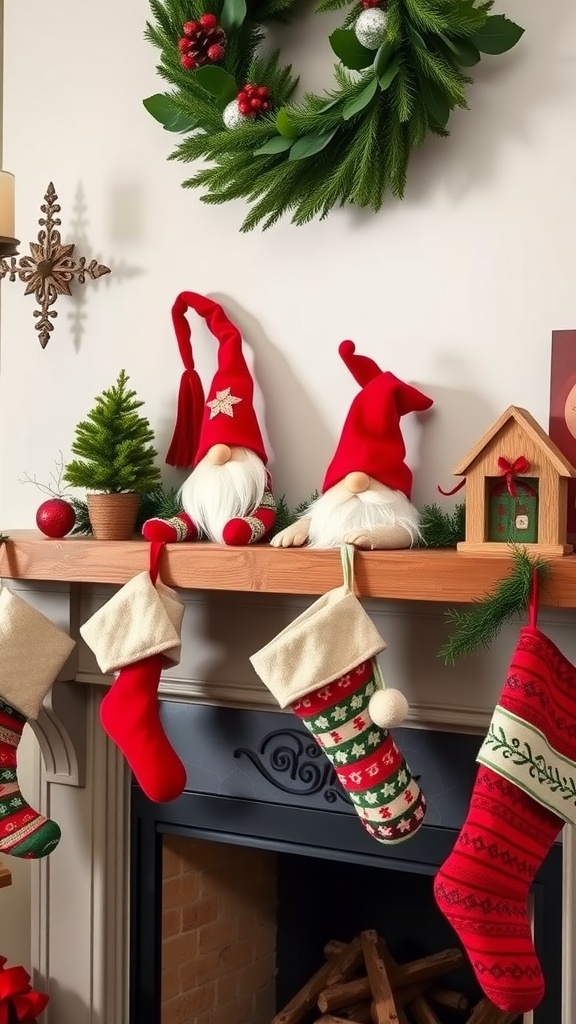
{"points": [[244, 929]]}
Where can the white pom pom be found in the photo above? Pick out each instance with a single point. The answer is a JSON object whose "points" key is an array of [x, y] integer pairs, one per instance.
{"points": [[388, 708], [370, 27], [231, 115]]}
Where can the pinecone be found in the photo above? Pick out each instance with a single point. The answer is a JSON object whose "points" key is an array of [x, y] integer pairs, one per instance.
{"points": [[203, 42]]}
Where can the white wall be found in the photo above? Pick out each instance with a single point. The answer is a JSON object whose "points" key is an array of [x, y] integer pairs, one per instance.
{"points": [[457, 288]]}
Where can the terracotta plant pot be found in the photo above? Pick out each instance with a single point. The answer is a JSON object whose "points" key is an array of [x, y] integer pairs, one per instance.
{"points": [[113, 516]]}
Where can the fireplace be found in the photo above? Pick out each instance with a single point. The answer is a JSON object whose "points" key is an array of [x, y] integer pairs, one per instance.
{"points": [[237, 886]]}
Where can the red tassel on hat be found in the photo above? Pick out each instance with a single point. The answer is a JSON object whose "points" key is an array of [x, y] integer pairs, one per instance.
{"points": [[184, 443]]}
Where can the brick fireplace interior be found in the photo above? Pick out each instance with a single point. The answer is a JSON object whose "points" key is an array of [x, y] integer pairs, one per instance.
{"points": [[238, 885]]}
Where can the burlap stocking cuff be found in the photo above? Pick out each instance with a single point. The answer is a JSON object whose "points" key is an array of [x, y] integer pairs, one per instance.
{"points": [[141, 620], [330, 638], [32, 652]]}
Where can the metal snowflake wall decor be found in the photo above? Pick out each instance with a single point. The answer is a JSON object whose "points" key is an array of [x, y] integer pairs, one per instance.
{"points": [[50, 268]]}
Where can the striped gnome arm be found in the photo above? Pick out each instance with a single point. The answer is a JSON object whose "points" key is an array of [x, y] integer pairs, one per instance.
{"points": [[250, 529], [169, 531]]}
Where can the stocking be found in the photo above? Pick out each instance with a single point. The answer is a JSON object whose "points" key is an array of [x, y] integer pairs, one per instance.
{"points": [[23, 831], [130, 715], [323, 667], [138, 632], [524, 792], [32, 652]]}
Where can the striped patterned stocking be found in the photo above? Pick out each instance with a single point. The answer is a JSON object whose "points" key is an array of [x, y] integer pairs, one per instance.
{"points": [[23, 832]]}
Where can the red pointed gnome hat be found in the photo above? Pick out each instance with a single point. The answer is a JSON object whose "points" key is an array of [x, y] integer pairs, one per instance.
{"points": [[371, 441], [227, 417]]}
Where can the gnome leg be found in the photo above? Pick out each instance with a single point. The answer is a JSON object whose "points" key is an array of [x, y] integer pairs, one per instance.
{"points": [[323, 667], [138, 632], [32, 652], [525, 791], [250, 529], [170, 531]]}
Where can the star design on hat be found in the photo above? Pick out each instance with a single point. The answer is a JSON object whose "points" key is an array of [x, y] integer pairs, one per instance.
{"points": [[223, 403]]}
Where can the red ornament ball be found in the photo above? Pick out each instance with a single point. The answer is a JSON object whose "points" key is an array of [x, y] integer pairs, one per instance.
{"points": [[55, 517]]}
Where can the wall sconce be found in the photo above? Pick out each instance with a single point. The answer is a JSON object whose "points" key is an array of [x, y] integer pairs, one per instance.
{"points": [[50, 268], [8, 244]]}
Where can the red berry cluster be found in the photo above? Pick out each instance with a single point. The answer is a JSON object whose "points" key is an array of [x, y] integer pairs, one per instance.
{"points": [[253, 100], [367, 4], [203, 42]]}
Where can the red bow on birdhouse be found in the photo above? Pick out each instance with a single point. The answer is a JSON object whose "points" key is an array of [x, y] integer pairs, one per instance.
{"points": [[19, 1003], [511, 470]]}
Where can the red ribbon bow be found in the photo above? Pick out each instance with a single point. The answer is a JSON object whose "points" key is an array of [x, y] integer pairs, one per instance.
{"points": [[511, 470], [18, 1000]]}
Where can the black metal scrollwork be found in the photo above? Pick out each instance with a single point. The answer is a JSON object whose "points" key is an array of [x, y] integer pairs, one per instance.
{"points": [[303, 769]]}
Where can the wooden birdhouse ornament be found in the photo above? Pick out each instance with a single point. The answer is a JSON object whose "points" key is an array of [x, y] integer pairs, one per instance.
{"points": [[516, 488]]}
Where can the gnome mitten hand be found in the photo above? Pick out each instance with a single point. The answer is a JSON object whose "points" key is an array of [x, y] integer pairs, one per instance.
{"points": [[138, 632], [523, 795], [293, 536], [323, 666], [32, 652], [170, 531]]}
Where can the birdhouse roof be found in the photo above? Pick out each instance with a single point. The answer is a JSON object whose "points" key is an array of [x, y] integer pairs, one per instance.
{"points": [[533, 430]]}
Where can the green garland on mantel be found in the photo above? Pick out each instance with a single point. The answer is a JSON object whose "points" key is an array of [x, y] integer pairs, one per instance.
{"points": [[403, 68], [476, 629]]}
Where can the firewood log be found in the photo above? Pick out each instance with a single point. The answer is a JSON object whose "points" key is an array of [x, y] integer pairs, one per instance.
{"points": [[448, 998], [422, 1012], [346, 963], [385, 1009], [339, 996], [333, 947], [304, 1000], [486, 1013]]}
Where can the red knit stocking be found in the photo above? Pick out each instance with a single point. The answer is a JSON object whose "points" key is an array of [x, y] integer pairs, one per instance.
{"points": [[483, 888], [130, 715]]}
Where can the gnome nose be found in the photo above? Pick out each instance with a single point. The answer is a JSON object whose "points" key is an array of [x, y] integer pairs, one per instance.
{"points": [[357, 482], [219, 454]]}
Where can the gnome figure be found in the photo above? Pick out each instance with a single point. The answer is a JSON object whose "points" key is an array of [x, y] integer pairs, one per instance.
{"points": [[365, 497], [228, 496]]}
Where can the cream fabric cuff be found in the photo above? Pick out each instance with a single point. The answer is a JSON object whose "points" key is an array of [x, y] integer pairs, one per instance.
{"points": [[32, 652], [329, 639], [139, 621]]}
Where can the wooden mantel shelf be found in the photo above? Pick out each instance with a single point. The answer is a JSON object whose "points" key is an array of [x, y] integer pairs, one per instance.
{"points": [[417, 575]]}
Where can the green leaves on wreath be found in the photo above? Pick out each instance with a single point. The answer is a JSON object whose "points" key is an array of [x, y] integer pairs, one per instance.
{"points": [[163, 109], [233, 15], [498, 35], [347, 48], [218, 83]]}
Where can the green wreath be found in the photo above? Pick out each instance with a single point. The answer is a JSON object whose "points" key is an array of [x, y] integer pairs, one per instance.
{"points": [[402, 70]]}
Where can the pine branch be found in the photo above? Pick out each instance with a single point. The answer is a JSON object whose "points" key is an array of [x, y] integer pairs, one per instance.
{"points": [[477, 629], [441, 529]]}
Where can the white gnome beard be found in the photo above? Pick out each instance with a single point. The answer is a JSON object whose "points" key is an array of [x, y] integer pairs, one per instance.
{"points": [[213, 495], [337, 511]]}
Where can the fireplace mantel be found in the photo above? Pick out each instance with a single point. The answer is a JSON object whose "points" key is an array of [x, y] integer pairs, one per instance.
{"points": [[412, 575], [80, 893]]}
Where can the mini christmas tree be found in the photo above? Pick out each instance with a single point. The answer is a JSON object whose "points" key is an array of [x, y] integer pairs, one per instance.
{"points": [[114, 445]]}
